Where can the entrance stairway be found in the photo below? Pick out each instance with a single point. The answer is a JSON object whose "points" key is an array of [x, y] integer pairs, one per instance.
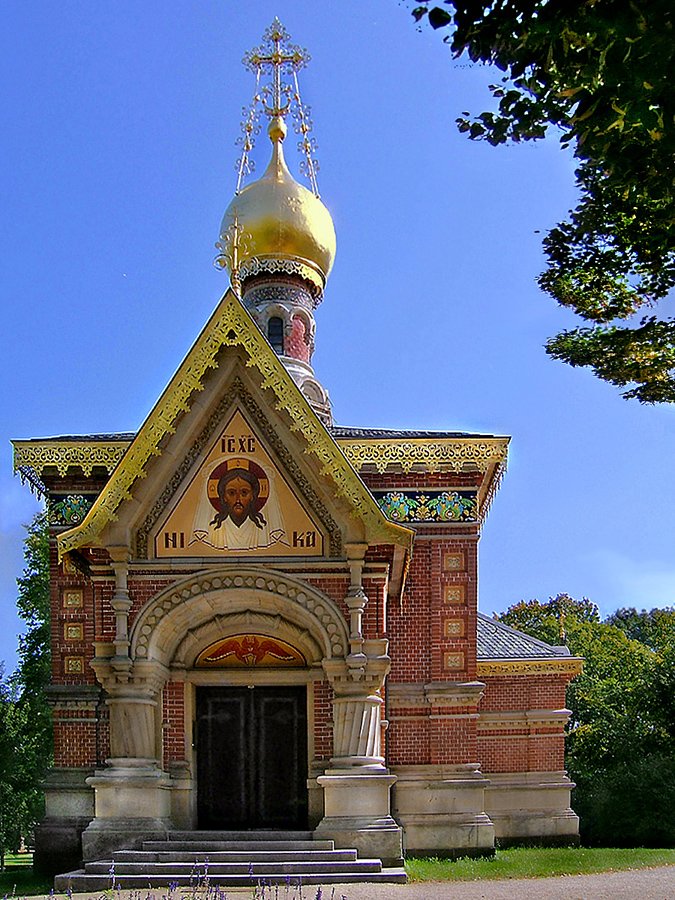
{"points": [[228, 859]]}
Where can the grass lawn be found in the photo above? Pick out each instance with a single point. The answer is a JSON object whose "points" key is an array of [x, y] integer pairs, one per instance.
{"points": [[536, 862], [18, 879]]}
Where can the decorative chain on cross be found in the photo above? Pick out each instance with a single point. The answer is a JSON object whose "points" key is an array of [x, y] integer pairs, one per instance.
{"points": [[276, 56]]}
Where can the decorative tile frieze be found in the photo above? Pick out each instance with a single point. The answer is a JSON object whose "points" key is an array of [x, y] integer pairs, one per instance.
{"points": [[69, 509], [570, 665], [454, 454], [429, 505]]}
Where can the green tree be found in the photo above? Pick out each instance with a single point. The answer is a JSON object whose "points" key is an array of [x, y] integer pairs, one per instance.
{"points": [[620, 747], [653, 627], [26, 744], [599, 72]]}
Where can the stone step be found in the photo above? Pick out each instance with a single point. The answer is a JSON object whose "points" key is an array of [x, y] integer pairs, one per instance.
{"points": [[81, 882], [259, 834], [190, 871], [214, 846], [253, 855]]}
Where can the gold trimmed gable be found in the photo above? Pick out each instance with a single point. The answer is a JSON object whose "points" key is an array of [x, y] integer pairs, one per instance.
{"points": [[231, 326]]}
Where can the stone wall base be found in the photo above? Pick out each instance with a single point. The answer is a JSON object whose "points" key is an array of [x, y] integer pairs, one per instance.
{"points": [[69, 808], [442, 810], [531, 807], [58, 844]]}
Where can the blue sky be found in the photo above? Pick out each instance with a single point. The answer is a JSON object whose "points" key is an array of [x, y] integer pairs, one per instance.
{"points": [[118, 157]]}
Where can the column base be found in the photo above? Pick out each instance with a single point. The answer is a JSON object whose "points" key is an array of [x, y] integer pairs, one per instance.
{"points": [[357, 814], [132, 805], [104, 836]]}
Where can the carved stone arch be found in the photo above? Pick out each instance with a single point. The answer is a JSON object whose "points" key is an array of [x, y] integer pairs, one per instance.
{"points": [[222, 626], [275, 309], [164, 622]]}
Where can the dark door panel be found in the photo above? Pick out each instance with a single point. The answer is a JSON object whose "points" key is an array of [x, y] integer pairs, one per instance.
{"points": [[252, 757]]}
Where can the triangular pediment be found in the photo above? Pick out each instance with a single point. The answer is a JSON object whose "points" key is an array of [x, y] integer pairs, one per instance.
{"points": [[233, 406], [238, 502]]}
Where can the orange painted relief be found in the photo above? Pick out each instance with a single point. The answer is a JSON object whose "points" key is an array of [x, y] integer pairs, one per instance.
{"points": [[250, 650], [238, 503]]}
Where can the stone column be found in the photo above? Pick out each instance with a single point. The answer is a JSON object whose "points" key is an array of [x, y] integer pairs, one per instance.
{"points": [[132, 794], [357, 785]]}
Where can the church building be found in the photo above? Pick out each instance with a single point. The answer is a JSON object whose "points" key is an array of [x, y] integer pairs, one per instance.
{"points": [[263, 620]]}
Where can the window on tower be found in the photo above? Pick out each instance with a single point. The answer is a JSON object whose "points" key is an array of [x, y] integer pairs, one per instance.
{"points": [[275, 334]]}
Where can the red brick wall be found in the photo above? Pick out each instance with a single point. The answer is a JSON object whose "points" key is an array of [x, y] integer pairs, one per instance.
{"points": [[173, 720], [323, 715], [527, 747], [296, 343]]}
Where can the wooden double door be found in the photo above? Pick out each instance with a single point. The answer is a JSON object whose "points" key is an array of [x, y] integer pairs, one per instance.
{"points": [[251, 757]]}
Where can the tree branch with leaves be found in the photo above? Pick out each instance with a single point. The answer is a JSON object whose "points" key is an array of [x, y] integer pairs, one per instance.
{"points": [[598, 72]]}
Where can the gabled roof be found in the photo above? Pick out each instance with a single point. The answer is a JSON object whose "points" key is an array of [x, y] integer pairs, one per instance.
{"points": [[502, 650], [231, 326]]}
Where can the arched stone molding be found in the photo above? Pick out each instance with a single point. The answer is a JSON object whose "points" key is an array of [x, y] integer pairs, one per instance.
{"points": [[163, 626], [222, 626]]}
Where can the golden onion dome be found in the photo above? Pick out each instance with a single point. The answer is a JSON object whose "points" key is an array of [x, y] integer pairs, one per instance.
{"points": [[277, 225]]}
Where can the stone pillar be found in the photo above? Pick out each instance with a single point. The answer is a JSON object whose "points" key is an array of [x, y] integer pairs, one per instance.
{"points": [[132, 794], [357, 785]]}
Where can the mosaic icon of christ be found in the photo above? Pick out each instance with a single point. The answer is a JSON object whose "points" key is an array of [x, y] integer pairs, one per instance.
{"points": [[237, 490]]}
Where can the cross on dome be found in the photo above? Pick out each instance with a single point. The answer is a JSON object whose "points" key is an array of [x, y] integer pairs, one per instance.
{"points": [[279, 58]]}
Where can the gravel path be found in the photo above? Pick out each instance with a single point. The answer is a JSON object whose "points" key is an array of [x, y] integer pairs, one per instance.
{"points": [[635, 884]]}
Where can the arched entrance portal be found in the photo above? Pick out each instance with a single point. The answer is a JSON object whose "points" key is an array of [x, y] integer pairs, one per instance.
{"points": [[246, 649]]}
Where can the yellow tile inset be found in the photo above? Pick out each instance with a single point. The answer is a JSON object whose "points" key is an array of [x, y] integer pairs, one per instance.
{"points": [[73, 598], [73, 631], [453, 561], [73, 665], [454, 594], [453, 660], [454, 628]]}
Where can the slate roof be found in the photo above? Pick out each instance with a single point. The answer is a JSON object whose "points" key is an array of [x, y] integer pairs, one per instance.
{"points": [[338, 431], [90, 438], [346, 431], [499, 641]]}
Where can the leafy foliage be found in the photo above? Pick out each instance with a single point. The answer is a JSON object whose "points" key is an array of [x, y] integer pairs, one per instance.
{"points": [[620, 749], [600, 73], [25, 721]]}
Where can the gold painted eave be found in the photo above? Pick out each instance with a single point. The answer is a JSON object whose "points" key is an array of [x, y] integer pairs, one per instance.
{"points": [[39, 455], [569, 665], [453, 454]]}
